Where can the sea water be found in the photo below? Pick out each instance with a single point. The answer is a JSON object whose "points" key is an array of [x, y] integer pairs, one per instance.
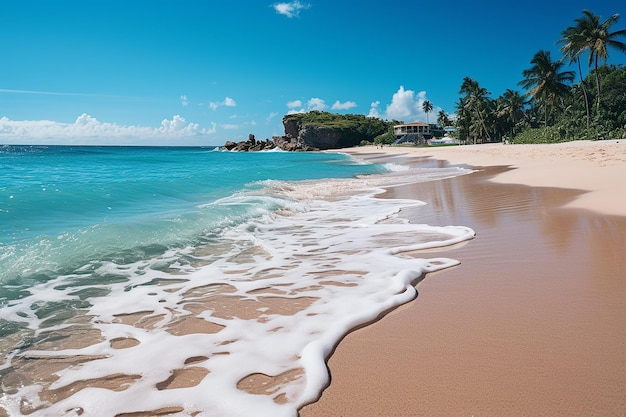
{"points": [[191, 281]]}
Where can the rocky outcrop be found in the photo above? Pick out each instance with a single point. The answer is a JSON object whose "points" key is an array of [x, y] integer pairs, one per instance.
{"points": [[316, 135], [282, 142], [322, 137], [291, 144], [315, 131], [292, 126], [250, 145]]}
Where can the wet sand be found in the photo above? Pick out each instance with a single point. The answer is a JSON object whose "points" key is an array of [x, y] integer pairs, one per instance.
{"points": [[533, 320]]}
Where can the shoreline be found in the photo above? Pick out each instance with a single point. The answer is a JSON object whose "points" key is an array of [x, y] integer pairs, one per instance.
{"points": [[531, 322], [252, 309], [597, 167]]}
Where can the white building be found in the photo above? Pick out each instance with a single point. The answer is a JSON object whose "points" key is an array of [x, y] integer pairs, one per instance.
{"points": [[420, 128], [416, 132]]}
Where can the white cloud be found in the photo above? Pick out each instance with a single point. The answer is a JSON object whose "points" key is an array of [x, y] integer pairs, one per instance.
{"points": [[343, 106], [183, 101], [402, 105], [316, 104], [290, 9], [88, 130], [228, 102], [374, 111], [227, 126], [212, 130], [294, 104], [407, 106], [178, 126]]}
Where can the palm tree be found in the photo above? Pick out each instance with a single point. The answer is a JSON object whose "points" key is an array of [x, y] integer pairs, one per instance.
{"points": [[595, 37], [427, 107], [573, 47], [512, 109], [475, 99], [492, 121], [463, 119], [545, 81], [442, 119]]}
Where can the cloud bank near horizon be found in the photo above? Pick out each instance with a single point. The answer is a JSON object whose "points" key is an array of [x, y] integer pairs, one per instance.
{"points": [[405, 105], [87, 130]]}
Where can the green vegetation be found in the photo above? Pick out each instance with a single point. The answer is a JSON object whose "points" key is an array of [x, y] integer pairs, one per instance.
{"points": [[443, 120], [553, 110]]}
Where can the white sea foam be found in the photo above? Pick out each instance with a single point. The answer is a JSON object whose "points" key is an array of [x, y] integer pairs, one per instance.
{"points": [[266, 301], [396, 167], [276, 149]]}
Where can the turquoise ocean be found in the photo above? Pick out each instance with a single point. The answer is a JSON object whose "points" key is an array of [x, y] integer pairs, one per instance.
{"points": [[62, 207], [193, 280]]}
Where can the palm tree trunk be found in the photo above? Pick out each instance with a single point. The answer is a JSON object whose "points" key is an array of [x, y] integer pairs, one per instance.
{"points": [[482, 122], [582, 84], [597, 85]]}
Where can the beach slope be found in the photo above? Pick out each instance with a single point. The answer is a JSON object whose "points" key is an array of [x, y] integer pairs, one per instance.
{"points": [[532, 321]]}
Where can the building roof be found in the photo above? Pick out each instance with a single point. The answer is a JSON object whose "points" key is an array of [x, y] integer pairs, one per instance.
{"points": [[413, 124]]}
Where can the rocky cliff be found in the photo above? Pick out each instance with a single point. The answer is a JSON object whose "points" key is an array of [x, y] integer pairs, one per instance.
{"points": [[318, 135]]}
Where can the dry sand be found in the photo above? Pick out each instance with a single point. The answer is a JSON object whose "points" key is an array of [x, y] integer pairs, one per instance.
{"points": [[596, 167], [533, 321]]}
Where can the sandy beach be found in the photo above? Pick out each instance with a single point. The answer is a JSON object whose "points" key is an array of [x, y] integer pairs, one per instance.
{"points": [[532, 320], [530, 323]]}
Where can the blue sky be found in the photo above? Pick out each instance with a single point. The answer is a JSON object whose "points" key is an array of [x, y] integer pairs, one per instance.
{"points": [[192, 72]]}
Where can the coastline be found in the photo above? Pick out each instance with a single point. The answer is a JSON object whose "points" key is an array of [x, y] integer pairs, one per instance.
{"points": [[531, 322], [597, 167]]}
